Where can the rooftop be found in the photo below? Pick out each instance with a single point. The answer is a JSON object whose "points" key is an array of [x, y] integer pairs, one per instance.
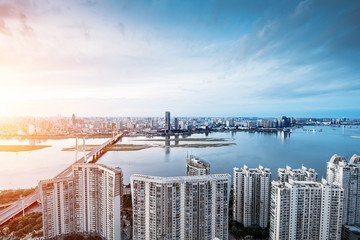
{"points": [[181, 179]]}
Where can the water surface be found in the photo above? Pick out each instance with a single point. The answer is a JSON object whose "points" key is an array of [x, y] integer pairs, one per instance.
{"points": [[272, 150]]}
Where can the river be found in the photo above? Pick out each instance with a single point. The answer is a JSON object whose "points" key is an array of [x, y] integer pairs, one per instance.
{"points": [[312, 148]]}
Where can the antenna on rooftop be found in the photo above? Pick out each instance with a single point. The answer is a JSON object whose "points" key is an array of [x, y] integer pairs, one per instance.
{"points": [[85, 160], [76, 149]]}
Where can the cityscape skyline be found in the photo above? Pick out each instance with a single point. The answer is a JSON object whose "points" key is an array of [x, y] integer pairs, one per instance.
{"points": [[88, 200], [104, 58], [172, 119]]}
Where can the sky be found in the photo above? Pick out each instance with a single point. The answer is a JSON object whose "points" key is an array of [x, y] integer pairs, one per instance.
{"points": [[193, 58]]}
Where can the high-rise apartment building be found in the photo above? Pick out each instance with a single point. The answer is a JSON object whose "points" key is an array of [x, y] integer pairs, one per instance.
{"points": [[58, 206], [305, 210], [348, 176], [302, 174], [167, 121], [196, 166], [280, 211], [189, 207], [332, 201], [252, 196], [98, 200], [88, 202]]}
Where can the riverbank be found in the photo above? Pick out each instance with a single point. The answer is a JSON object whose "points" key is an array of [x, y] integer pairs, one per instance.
{"points": [[137, 147], [55, 137], [187, 140]]}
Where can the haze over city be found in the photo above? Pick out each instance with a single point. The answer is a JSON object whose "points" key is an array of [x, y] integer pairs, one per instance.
{"points": [[195, 58], [179, 119]]}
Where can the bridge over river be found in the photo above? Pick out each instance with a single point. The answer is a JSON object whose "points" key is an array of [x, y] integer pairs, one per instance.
{"points": [[17, 207]]}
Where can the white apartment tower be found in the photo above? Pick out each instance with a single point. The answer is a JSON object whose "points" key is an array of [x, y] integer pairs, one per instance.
{"points": [[331, 211], [348, 176], [305, 210], [196, 166], [252, 196], [279, 211], [186, 208], [302, 174], [88, 202], [98, 194], [57, 206]]}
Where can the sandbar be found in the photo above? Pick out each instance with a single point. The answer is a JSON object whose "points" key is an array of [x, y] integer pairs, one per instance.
{"points": [[21, 148]]}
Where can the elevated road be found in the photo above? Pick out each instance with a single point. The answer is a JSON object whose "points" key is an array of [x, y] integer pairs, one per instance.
{"points": [[18, 206]]}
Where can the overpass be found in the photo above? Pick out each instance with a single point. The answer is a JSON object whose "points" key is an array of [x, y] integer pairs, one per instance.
{"points": [[91, 157]]}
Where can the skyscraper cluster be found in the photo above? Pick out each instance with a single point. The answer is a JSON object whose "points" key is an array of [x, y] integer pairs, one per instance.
{"points": [[302, 208], [88, 202], [196, 206], [297, 206], [305, 210]]}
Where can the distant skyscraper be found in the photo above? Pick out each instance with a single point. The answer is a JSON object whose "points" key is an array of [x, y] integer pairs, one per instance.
{"points": [[167, 121], [302, 174], [31, 129], [88, 202], [196, 166], [191, 207], [73, 120], [348, 176], [252, 196], [176, 124], [305, 210]]}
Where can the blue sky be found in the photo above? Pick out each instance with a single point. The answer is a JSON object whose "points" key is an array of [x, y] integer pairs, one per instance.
{"points": [[194, 58]]}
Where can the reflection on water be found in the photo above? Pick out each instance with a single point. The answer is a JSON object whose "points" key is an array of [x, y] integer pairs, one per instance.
{"points": [[176, 139], [167, 148], [273, 150], [269, 149], [284, 136]]}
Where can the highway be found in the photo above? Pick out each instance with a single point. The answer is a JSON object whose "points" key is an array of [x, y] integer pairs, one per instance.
{"points": [[17, 207], [14, 209]]}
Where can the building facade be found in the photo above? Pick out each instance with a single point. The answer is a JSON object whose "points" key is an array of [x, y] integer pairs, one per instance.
{"points": [[305, 210], [167, 121], [57, 206], [196, 166], [302, 174], [252, 196], [98, 200], [332, 201], [347, 174], [88, 202], [188, 208]]}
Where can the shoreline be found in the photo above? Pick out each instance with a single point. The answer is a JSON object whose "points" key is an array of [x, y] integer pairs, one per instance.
{"points": [[22, 148], [137, 147]]}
